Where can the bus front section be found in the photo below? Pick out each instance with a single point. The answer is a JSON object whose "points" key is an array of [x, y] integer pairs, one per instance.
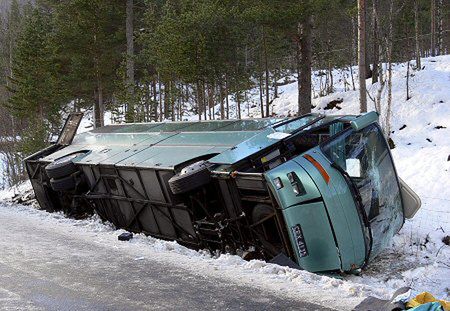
{"points": [[341, 200]]}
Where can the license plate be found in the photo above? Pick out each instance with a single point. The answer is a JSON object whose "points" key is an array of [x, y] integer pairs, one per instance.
{"points": [[300, 240]]}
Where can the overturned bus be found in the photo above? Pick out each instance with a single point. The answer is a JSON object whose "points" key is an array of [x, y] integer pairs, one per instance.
{"points": [[315, 192]]}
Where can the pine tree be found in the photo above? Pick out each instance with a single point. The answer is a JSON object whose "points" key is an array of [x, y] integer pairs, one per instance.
{"points": [[37, 92], [362, 55], [91, 40]]}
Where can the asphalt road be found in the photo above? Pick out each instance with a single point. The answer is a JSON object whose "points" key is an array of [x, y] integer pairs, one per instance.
{"points": [[43, 269]]}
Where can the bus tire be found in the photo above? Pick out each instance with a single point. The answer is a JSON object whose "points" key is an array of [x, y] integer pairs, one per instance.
{"points": [[190, 178], [63, 166], [63, 184]]}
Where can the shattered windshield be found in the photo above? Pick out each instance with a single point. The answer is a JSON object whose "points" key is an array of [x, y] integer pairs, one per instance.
{"points": [[365, 157]]}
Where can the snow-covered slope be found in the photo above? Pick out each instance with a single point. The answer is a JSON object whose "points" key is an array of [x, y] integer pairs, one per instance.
{"points": [[418, 257]]}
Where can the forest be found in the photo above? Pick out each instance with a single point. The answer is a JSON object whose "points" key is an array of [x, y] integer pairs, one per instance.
{"points": [[155, 60]]}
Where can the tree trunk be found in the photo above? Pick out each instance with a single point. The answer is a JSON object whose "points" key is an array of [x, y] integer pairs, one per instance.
{"points": [[376, 42], [389, 48], [407, 82], [330, 74], [172, 101], [199, 100], [267, 77], [433, 28], [222, 106], [304, 65], [261, 100], [362, 55], [440, 22], [227, 107], [130, 60], [167, 99], [98, 107], [211, 101], [238, 105], [353, 78], [416, 32], [160, 99], [367, 71], [354, 51], [204, 100], [154, 105]]}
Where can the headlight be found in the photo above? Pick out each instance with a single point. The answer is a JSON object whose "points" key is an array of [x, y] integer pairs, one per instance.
{"points": [[296, 184], [277, 182]]}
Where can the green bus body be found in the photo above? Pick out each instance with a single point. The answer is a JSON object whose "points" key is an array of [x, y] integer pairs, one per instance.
{"points": [[321, 192]]}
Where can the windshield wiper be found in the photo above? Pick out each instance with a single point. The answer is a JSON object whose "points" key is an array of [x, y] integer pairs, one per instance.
{"points": [[359, 203]]}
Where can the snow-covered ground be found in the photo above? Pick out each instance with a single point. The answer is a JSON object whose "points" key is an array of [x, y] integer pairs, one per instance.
{"points": [[418, 257], [280, 281]]}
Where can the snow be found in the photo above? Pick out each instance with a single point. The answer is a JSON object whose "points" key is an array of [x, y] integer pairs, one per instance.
{"points": [[417, 258], [283, 281], [87, 122]]}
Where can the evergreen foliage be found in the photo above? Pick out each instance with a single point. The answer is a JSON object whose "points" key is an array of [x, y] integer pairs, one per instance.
{"points": [[188, 57], [38, 92]]}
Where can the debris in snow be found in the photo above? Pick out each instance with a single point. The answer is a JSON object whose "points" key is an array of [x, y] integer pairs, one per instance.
{"points": [[126, 236], [391, 143], [26, 198], [403, 127], [440, 127], [334, 104], [446, 240]]}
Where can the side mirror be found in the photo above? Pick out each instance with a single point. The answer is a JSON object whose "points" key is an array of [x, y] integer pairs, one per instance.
{"points": [[411, 201]]}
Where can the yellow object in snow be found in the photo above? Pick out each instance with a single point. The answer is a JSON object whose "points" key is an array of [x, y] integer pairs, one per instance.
{"points": [[426, 297]]}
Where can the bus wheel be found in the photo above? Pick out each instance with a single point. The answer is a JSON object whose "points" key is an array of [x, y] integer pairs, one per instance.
{"points": [[63, 167], [190, 178]]}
